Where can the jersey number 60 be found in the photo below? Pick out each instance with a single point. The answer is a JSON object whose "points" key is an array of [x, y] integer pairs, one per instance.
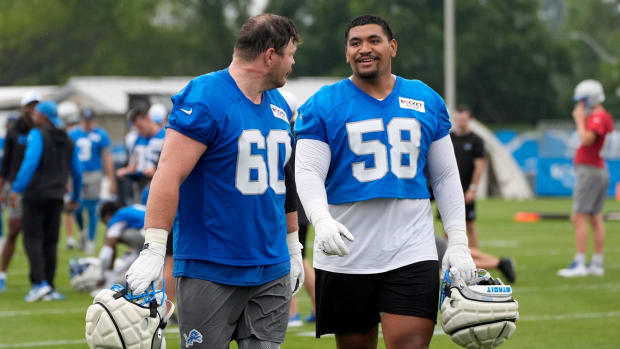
{"points": [[399, 147], [247, 161]]}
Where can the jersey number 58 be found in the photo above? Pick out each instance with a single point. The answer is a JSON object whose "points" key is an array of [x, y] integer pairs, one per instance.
{"points": [[399, 147]]}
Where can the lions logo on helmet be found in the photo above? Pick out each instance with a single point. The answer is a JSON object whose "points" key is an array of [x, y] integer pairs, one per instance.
{"points": [[85, 274], [117, 319], [480, 315]]}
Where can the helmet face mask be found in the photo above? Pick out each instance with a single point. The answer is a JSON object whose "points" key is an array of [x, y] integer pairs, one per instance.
{"points": [[481, 314], [85, 274]]}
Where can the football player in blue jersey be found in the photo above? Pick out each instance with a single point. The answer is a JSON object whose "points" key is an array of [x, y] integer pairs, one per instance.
{"points": [[124, 225], [364, 144], [227, 143], [92, 143], [147, 147]]}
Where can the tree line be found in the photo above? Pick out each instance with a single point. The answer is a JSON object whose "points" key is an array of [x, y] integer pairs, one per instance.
{"points": [[517, 60]]}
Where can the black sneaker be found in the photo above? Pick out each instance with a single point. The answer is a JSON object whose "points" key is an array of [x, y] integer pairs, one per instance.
{"points": [[506, 266]]}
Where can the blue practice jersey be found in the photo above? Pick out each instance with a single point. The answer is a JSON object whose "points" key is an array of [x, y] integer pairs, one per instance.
{"points": [[91, 146], [154, 146], [132, 216], [378, 148], [231, 206]]}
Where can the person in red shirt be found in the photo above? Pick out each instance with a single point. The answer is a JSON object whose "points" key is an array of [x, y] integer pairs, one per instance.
{"points": [[592, 179]]}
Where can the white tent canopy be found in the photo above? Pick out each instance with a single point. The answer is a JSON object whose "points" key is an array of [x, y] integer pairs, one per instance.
{"points": [[511, 182]]}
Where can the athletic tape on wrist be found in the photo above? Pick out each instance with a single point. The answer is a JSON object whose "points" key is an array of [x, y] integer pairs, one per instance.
{"points": [[457, 237], [292, 240], [156, 235], [319, 214]]}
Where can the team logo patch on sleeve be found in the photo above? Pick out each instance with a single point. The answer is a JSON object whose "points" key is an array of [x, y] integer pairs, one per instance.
{"points": [[408, 103], [278, 112]]}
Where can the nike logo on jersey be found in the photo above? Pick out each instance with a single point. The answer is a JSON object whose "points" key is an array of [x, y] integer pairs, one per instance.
{"points": [[278, 113], [407, 103], [187, 111]]}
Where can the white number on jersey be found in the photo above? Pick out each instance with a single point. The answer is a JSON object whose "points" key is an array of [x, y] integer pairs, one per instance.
{"points": [[86, 149], [399, 147], [246, 161]]}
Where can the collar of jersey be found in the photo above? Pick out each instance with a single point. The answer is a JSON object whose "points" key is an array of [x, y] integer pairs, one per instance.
{"points": [[231, 81], [373, 99]]}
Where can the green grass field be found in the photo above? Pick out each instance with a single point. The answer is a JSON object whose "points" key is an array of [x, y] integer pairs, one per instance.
{"points": [[554, 312]]}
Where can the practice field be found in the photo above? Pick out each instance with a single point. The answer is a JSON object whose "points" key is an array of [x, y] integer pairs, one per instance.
{"points": [[554, 312]]}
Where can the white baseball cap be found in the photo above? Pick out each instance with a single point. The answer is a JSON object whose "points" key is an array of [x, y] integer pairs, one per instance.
{"points": [[29, 97], [158, 113]]}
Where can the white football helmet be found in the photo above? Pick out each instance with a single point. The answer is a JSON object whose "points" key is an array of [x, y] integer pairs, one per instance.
{"points": [[118, 319], [480, 315], [589, 91], [85, 273], [69, 112], [158, 112]]}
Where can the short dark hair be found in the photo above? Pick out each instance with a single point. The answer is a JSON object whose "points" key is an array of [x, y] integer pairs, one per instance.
{"points": [[463, 108], [109, 208], [369, 19], [138, 112], [262, 32]]}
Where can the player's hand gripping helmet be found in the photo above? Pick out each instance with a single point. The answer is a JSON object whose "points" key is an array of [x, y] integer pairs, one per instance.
{"points": [[85, 273], [590, 92], [479, 315], [117, 319]]}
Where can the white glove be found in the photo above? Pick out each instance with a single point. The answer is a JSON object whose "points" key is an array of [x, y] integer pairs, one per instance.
{"points": [[327, 238], [149, 265], [297, 264], [458, 257]]}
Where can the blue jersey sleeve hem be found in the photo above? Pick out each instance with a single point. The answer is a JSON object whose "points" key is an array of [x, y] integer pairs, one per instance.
{"points": [[441, 135], [184, 132], [311, 136]]}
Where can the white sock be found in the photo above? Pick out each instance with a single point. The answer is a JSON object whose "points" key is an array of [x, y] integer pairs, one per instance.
{"points": [[3, 275], [580, 258], [597, 259]]}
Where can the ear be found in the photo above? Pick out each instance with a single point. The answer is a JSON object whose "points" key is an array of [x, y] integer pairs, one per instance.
{"points": [[346, 57], [268, 56], [394, 47]]}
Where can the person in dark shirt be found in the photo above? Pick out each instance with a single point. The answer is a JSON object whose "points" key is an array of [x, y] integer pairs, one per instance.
{"points": [[14, 148], [41, 180], [469, 152]]}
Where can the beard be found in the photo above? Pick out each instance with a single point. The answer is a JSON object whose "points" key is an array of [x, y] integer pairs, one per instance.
{"points": [[277, 80], [368, 75]]}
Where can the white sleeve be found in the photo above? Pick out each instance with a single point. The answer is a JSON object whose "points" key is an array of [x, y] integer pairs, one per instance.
{"points": [[312, 159], [115, 230], [446, 183]]}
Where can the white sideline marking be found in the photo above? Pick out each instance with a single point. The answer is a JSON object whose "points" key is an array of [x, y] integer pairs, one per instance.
{"points": [[43, 344], [499, 243], [41, 312], [437, 332], [569, 316], [568, 287]]}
